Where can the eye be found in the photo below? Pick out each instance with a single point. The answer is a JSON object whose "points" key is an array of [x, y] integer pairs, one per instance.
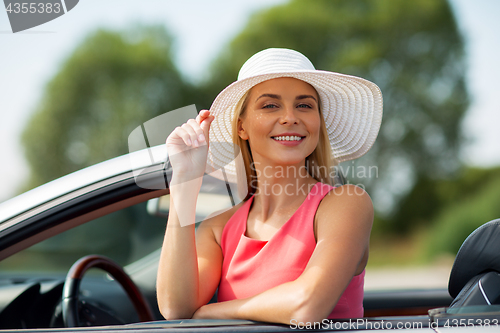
{"points": [[269, 106], [304, 106]]}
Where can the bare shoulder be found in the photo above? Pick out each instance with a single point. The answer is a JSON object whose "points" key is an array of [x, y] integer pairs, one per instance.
{"points": [[216, 222], [342, 226], [348, 194], [345, 205]]}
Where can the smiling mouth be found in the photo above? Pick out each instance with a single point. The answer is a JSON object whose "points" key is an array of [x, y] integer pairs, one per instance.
{"points": [[288, 138]]}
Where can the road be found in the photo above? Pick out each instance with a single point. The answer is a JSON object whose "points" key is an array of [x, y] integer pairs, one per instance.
{"points": [[418, 277]]}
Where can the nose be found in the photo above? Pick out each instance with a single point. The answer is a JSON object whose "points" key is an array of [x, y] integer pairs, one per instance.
{"points": [[288, 116]]}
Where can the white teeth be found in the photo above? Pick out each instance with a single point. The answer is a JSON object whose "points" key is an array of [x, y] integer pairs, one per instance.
{"points": [[287, 138]]}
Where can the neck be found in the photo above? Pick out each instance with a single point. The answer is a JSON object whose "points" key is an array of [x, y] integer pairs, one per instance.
{"points": [[280, 187]]}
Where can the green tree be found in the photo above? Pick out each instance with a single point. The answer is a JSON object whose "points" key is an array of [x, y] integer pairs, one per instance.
{"points": [[470, 203], [110, 84], [431, 201], [411, 49]]}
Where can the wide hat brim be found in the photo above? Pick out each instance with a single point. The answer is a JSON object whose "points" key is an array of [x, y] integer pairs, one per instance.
{"points": [[351, 107]]}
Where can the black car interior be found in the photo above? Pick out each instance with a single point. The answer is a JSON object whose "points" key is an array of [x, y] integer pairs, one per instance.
{"points": [[475, 276]]}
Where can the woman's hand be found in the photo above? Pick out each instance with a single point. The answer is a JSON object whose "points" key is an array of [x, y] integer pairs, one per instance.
{"points": [[187, 147]]}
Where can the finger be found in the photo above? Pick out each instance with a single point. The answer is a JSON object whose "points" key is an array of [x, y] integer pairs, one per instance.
{"points": [[200, 136], [181, 133], [205, 126], [200, 119], [195, 125], [193, 136], [204, 113], [206, 122], [202, 116]]}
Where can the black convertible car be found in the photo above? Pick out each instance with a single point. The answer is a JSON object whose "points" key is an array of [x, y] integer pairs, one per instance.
{"points": [[51, 236]]}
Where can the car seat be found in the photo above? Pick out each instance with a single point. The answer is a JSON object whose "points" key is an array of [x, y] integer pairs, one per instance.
{"points": [[475, 276]]}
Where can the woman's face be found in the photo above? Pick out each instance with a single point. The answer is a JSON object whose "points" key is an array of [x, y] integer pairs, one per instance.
{"points": [[281, 121]]}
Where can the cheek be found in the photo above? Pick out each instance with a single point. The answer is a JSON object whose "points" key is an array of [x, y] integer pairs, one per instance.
{"points": [[314, 124], [259, 125], [314, 129], [260, 120]]}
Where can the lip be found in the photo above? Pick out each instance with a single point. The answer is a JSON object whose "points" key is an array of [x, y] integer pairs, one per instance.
{"points": [[289, 143], [288, 134]]}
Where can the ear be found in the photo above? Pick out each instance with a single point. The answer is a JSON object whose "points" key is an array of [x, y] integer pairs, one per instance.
{"points": [[241, 131]]}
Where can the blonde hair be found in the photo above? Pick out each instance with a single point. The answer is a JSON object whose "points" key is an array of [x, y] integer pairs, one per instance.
{"points": [[319, 164]]}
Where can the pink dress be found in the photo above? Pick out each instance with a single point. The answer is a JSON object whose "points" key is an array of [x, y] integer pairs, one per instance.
{"points": [[252, 266]]}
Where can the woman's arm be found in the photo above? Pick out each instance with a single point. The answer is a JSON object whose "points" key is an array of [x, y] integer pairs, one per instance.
{"points": [[177, 281], [190, 267], [179, 291], [344, 221]]}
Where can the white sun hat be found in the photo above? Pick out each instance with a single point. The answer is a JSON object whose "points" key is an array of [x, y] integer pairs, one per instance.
{"points": [[351, 107]]}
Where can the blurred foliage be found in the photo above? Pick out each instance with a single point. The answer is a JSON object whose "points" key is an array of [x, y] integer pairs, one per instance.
{"points": [[428, 198], [440, 215], [470, 202], [111, 84]]}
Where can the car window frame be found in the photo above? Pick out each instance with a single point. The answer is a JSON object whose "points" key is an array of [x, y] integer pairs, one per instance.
{"points": [[77, 207]]}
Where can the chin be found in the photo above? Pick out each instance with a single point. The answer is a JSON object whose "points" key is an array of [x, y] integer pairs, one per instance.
{"points": [[291, 161]]}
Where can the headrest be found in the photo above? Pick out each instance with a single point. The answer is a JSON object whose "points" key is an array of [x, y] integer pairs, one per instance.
{"points": [[479, 253]]}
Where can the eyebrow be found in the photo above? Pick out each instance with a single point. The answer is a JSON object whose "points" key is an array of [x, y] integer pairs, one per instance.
{"points": [[306, 96], [279, 97]]}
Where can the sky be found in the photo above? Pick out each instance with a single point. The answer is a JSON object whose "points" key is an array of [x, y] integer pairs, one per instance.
{"points": [[201, 29]]}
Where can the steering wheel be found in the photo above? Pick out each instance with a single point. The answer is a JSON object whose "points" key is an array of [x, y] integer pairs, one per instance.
{"points": [[71, 288]]}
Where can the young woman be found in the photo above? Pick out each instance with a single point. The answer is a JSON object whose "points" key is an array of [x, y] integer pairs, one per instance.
{"points": [[295, 250]]}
